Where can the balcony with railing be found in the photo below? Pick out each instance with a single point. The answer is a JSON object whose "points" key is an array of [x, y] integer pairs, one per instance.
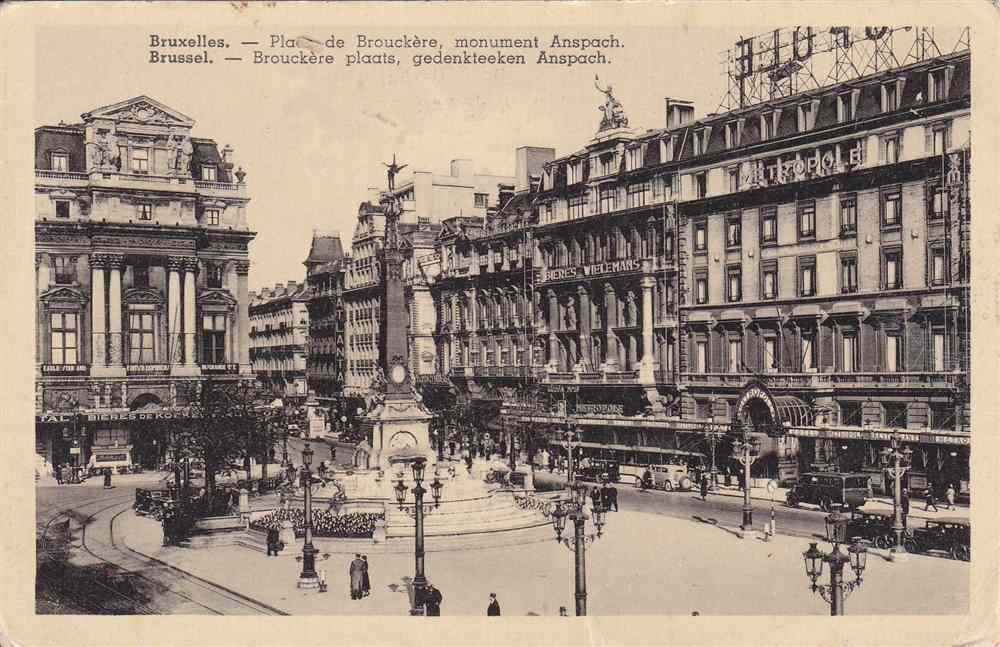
{"points": [[907, 380]]}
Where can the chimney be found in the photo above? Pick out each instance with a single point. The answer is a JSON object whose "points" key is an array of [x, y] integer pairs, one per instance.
{"points": [[461, 168], [679, 112], [529, 161], [373, 194], [227, 154]]}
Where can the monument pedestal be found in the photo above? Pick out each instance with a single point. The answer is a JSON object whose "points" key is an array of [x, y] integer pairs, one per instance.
{"points": [[397, 425]]}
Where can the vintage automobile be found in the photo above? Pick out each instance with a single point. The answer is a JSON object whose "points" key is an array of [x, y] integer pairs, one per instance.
{"points": [[874, 526], [951, 535], [830, 490], [596, 470], [669, 478]]}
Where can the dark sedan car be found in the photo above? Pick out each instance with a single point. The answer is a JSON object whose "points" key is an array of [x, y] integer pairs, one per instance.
{"points": [[952, 536]]}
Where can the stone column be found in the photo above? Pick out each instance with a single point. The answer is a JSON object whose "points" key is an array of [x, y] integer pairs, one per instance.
{"points": [[646, 367], [190, 319], [115, 345], [97, 346], [554, 364], [243, 303], [585, 321], [611, 315], [174, 343]]}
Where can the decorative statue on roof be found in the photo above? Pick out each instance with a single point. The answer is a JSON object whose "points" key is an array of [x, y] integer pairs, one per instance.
{"points": [[105, 156], [614, 113], [182, 166], [392, 170]]}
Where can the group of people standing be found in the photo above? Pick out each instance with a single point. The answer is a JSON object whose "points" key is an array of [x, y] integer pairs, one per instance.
{"points": [[604, 497], [360, 584]]}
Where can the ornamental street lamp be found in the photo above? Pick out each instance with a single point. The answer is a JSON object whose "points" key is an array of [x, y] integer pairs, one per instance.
{"points": [[308, 579], [575, 509], [746, 450], [571, 439], [857, 555], [713, 431], [901, 460], [418, 466]]}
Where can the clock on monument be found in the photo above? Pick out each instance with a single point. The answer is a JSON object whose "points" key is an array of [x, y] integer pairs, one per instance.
{"points": [[397, 373]]}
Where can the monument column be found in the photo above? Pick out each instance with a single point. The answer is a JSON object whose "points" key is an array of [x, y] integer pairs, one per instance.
{"points": [[98, 348], [646, 365], [243, 304], [116, 345]]}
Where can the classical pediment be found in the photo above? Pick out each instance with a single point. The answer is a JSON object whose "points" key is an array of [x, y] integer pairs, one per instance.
{"points": [[63, 293], [143, 295], [216, 297], [141, 110]]}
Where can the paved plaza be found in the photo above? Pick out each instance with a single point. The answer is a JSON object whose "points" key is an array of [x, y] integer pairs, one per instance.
{"points": [[644, 564]]}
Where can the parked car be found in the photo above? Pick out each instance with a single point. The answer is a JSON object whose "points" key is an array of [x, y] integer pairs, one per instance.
{"points": [[830, 490], [951, 535], [875, 526], [670, 477], [595, 470]]}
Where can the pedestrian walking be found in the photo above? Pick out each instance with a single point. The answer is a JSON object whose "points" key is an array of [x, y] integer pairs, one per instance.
{"points": [[904, 502], [356, 572], [595, 498], [704, 487], [451, 448], [58, 473], [494, 608], [610, 497], [930, 501], [273, 537], [366, 584], [949, 496], [432, 600]]}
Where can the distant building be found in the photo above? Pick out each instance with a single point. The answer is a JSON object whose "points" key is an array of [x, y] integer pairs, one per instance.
{"points": [[141, 271], [279, 330], [325, 269]]}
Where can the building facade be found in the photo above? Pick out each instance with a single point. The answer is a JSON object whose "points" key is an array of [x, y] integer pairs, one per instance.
{"points": [[141, 270], [325, 270], [279, 330]]}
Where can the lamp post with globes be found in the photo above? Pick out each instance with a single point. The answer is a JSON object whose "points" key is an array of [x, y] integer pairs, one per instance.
{"points": [[418, 466], [746, 450], [857, 555], [308, 579], [900, 459], [575, 510]]}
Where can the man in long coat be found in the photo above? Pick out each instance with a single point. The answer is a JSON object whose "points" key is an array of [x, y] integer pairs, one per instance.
{"points": [[366, 585], [357, 573]]}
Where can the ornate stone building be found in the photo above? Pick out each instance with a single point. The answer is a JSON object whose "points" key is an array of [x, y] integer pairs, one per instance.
{"points": [[279, 330], [141, 272], [325, 269]]}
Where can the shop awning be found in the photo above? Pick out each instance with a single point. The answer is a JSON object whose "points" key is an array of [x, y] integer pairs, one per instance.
{"points": [[792, 411]]}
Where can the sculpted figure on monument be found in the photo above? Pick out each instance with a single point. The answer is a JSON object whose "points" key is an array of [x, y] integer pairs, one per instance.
{"points": [[632, 314], [392, 170], [183, 165], [614, 113], [570, 314]]}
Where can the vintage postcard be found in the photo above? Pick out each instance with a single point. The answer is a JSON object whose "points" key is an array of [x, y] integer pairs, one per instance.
{"points": [[597, 319]]}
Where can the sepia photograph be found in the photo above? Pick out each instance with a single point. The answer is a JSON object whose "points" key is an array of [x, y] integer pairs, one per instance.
{"points": [[525, 319]]}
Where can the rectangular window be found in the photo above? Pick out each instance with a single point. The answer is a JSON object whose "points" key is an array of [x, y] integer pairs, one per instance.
{"points": [[937, 86], [890, 149], [701, 184], [213, 340], [940, 139], [807, 276], [733, 231], [548, 211], [895, 414], [700, 236], [767, 126], [698, 139], [59, 162], [65, 270], [64, 340], [214, 278], [638, 194], [892, 208], [577, 207], [849, 214], [607, 199], [735, 355], [732, 134], [807, 219], [574, 172], [140, 346], [768, 225], [890, 97], [769, 280], [482, 200], [937, 264], [849, 353], [140, 275], [937, 204], [893, 353], [734, 284], [212, 216], [701, 288], [633, 159], [805, 116], [939, 351], [733, 176], [609, 164], [892, 269], [144, 211], [769, 360], [208, 173], [140, 160], [702, 357], [808, 351], [62, 208], [849, 274]]}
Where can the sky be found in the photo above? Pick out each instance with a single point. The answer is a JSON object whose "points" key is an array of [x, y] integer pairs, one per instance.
{"points": [[313, 138]]}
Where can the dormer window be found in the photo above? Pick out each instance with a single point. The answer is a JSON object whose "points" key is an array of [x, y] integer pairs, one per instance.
{"points": [[805, 117], [767, 126], [845, 108], [937, 85], [140, 160], [609, 164], [667, 149], [212, 216], [208, 173], [890, 97], [59, 161], [732, 134], [699, 141], [633, 159], [574, 172]]}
